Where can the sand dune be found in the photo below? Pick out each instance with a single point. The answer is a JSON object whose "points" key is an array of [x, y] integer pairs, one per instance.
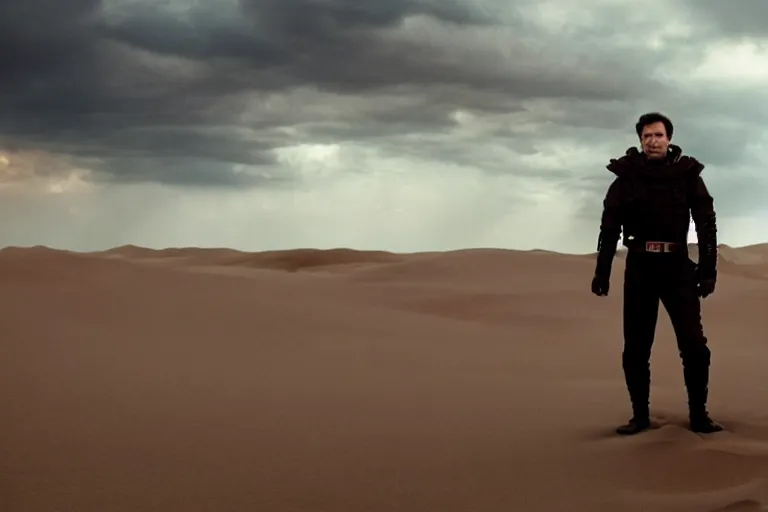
{"points": [[484, 380]]}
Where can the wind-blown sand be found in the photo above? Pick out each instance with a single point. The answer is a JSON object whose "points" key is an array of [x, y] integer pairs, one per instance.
{"points": [[480, 380]]}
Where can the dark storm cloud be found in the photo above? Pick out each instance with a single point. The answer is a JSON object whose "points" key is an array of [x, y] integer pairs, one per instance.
{"points": [[67, 89], [84, 81], [202, 92], [345, 46], [38, 32]]}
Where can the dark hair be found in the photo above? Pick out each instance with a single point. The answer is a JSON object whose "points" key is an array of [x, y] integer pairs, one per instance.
{"points": [[654, 117]]}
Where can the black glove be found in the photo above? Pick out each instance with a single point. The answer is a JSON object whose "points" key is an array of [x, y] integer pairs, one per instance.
{"points": [[606, 250], [601, 283], [706, 269], [706, 286], [706, 278]]}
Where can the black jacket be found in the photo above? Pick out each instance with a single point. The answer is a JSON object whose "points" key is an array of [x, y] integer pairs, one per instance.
{"points": [[654, 201]]}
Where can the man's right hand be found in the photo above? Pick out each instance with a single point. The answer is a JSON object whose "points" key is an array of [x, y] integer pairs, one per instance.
{"points": [[600, 285], [705, 281]]}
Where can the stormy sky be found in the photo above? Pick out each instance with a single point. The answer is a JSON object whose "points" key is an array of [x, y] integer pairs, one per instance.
{"points": [[403, 125]]}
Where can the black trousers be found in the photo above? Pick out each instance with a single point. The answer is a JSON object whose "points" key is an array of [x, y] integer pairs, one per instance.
{"points": [[668, 278]]}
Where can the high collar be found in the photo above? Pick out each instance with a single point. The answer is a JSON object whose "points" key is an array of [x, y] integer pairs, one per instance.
{"points": [[674, 164]]}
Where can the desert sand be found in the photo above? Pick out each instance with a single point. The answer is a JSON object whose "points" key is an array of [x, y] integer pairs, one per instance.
{"points": [[333, 381]]}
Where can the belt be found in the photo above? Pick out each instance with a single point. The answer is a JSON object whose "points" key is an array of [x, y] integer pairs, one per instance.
{"points": [[659, 247]]}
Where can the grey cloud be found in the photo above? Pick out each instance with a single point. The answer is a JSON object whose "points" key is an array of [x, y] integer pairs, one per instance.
{"points": [[746, 18], [36, 24], [327, 17], [186, 170], [343, 46], [114, 90], [193, 94]]}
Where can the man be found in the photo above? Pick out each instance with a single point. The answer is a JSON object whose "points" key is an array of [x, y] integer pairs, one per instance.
{"points": [[652, 199]]}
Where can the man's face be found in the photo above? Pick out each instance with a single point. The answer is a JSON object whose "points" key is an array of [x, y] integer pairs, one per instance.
{"points": [[654, 140]]}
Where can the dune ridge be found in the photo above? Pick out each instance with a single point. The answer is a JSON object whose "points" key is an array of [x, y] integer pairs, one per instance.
{"points": [[311, 258], [346, 380]]}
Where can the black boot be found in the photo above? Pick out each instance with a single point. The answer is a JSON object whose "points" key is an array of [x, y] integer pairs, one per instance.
{"points": [[637, 375], [701, 423], [634, 426], [697, 383]]}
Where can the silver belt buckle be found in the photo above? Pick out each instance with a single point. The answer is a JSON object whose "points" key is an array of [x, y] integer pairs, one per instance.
{"points": [[656, 247]]}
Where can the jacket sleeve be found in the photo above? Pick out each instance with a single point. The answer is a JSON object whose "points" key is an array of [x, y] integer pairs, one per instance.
{"points": [[705, 221], [610, 229]]}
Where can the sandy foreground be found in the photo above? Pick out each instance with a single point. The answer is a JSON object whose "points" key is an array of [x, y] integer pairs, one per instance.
{"points": [[479, 380]]}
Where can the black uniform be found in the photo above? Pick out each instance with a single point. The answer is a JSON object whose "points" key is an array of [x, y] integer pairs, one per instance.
{"points": [[653, 201]]}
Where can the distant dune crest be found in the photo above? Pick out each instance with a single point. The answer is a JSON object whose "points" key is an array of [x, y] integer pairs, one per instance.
{"points": [[296, 260]]}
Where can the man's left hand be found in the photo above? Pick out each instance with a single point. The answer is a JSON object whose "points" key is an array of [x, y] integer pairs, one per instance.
{"points": [[601, 283], [706, 287]]}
